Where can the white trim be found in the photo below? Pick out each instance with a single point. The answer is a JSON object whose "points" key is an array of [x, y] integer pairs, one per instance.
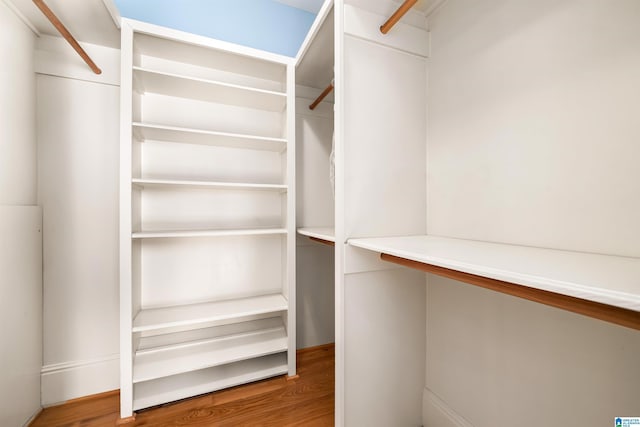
{"points": [[23, 18], [290, 272], [194, 39], [125, 271], [313, 31], [113, 11], [339, 248], [69, 380], [430, 400], [33, 417], [66, 366]]}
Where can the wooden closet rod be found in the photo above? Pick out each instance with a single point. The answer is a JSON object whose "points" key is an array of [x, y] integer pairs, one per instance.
{"points": [[617, 315], [66, 34], [322, 96], [393, 19], [324, 242]]}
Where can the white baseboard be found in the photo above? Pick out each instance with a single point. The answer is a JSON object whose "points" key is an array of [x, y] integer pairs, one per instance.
{"points": [[32, 418], [436, 413], [70, 380]]}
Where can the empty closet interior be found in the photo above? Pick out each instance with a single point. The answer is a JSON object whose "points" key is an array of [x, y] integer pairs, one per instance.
{"points": [[315, 206], [454, 203]]}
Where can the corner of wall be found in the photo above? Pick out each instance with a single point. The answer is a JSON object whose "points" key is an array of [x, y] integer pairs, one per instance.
{"points": [[436, 413]]}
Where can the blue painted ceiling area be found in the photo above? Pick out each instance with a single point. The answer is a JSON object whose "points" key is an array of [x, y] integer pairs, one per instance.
{"points": [[261, 24]]}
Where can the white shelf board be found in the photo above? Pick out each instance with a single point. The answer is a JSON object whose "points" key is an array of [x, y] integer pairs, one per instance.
{"points": [[147, 80], [178, 387], [322, 233], [206, 233], [194, 314], [204, 55], [605, 279], [167, 183], [156, 132], [196, 355], [149, 342]]}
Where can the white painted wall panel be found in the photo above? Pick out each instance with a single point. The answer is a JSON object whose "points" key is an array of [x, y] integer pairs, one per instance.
{"points": [[78, 190], [20, 312], [187, 270], [17, 112], [384, 348], [492, 357], [182, 112], [161, 160], [384, 132], [533, 126], [210, 209], [314, 132], [315, 294]]}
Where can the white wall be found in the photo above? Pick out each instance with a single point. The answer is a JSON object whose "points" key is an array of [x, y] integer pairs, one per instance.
{"points": [[17, 112], [533, 140], [20, 228], [20, 313], [78, 131], [533, 131]]}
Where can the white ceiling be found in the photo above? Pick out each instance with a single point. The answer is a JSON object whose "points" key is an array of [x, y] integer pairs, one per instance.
{"points": [[312, 6], [88, 21]]}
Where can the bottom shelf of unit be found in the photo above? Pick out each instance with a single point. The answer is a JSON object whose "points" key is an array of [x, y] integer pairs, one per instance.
{"points": [[223, 346], [176, 387]]}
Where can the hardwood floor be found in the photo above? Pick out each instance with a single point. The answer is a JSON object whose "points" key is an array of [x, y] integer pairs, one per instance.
{"points": [[306, 401]]}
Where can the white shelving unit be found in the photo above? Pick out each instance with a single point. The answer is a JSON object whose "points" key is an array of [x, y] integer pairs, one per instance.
{"points": [[207, 216]]}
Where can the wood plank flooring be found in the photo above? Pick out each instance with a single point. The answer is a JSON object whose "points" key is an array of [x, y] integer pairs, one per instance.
{"points": [[277, 402]]}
